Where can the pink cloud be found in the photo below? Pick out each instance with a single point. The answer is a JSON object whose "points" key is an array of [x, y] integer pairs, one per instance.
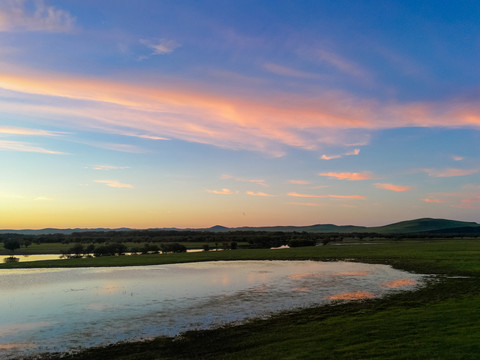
{"points": [[299, 182], [224, 191], [435, 201], [353, 152], [304, 204], [241, 179], [24, 131], [366, 175], [161, 46], [450, 172], [114, 184], [349, 153], [460, 200], [351, 197], [264, 122], [305, 195], [393, 187], [348, 197], [330, 157], [251, 193], [25, 147]]}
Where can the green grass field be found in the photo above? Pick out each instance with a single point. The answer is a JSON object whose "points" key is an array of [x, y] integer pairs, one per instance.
{"points": [[439, 321]]}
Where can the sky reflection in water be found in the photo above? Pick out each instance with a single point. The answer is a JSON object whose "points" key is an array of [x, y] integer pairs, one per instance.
{"points": [[59, 309]]}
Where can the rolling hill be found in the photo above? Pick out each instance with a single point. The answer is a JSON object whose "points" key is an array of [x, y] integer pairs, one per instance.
{"points": [[416, 226]]}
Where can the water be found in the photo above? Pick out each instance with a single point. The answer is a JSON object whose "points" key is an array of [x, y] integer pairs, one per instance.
{"points": [[24, 258], [44, 310]]}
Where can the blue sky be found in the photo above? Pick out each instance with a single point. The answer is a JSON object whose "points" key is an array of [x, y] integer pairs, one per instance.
{"points": [[195, 113]]}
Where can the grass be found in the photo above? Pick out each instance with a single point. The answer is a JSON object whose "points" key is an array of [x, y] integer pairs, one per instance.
{"points": [[439, 321]]}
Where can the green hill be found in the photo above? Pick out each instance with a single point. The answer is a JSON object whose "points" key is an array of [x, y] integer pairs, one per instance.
{"points": [[423, 225]]}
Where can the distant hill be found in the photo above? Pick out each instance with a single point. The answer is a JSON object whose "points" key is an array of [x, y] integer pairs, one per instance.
{"points": [[319, 228], [57, 231], [424, 225]]}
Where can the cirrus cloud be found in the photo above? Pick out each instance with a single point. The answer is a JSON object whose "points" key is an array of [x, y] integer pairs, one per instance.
{"points": [[252, 193], [256, 121], [393, 187], [345, 197], [224, 191], [161, 46], [352, 176], [449, 172], [25, 147], [114, 184]]}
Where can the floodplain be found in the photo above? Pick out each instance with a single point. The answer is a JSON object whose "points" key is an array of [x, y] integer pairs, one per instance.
{"points": [[437, 321]]}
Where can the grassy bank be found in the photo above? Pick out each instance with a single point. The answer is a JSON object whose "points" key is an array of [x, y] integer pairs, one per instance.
{"points": [[440, 321]]}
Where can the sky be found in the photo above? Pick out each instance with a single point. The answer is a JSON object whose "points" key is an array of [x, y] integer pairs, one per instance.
{"points": [[159, 113]]}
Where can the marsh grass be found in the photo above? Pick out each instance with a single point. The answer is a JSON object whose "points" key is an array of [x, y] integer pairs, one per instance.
{"points": [[438, 321]]}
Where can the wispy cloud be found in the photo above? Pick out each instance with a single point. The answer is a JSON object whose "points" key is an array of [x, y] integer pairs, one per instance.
{"points": [[224, 191], [114, 184], [109, 167], [330, 157], [262, 122], [4, 195], [161, 46], [469, 199], [349, 153], [5, 130], [128, 148], [435, 201], [305, 195], [241, 179], [151, 137], [20, 15], [287, 71], [457, 158], [252, 193], [342, 64], [345, 197], [348, 197], [26, 147], [449, 172], [304, 204], [299, 182], [353, 176], [393, 187]]}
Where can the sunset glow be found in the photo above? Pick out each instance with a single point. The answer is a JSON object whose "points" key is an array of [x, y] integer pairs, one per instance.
{"points": [[189, 114]]}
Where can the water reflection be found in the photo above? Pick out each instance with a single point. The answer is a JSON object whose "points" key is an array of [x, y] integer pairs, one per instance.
{"points": [[23, 258], [61, 309]]}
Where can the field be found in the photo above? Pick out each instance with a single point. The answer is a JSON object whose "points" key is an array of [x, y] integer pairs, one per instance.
{"points": [[440, 321]]}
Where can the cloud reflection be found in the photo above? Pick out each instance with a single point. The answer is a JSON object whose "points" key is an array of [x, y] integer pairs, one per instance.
{"points": [[399, 283], [10, 329], [356, 295]]}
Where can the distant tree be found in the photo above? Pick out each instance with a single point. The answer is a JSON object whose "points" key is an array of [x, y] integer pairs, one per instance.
{"points": [[11, 244], [206, 247], [27, 243], [89, 249], [77, 250], [233, 245], [173, 248]]}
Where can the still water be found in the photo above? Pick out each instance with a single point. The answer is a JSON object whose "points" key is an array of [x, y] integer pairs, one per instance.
{"points": [[44, 310]]}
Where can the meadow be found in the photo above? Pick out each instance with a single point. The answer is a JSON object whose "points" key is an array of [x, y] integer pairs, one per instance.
{"points": [[438, 321]]}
